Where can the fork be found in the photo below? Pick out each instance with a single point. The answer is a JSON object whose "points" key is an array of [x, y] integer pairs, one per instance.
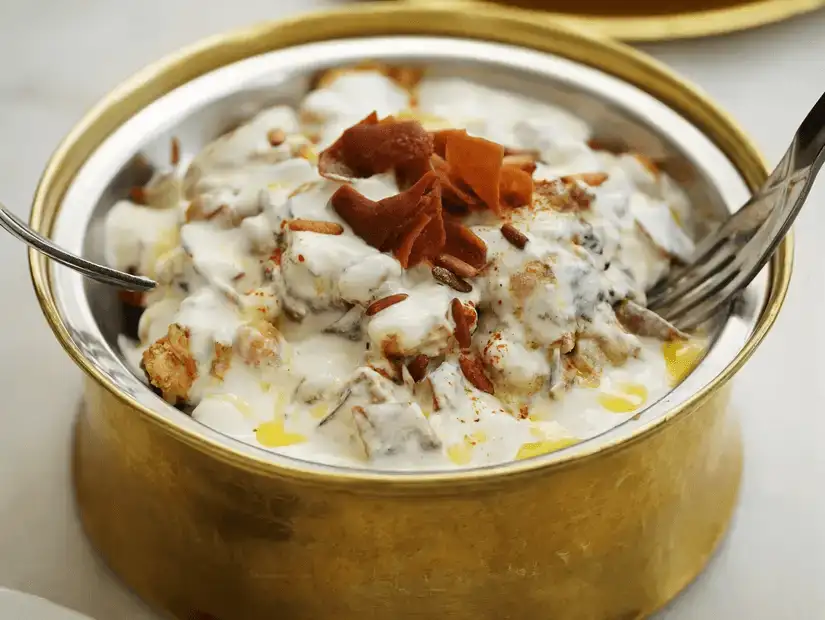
{"points": [[726, 260]]}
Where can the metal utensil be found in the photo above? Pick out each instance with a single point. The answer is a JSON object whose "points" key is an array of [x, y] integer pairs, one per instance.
{"points": [[101, 273], [728, 259]]}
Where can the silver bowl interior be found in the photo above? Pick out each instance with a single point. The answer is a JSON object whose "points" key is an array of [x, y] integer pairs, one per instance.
{"points": [[200, 110]]}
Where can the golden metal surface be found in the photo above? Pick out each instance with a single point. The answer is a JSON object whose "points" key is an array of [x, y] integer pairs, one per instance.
{"points": [[646, 20], [609, 538], [192, 524]]}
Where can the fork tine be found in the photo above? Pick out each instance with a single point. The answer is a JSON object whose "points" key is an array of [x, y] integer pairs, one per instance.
{"points": [[710, 304], [697, 306], [704, 252], [692, 276], [678, 306], [702, 314]]}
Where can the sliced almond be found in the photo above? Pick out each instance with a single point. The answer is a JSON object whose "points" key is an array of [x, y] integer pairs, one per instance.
{"points": [[418, 367], [456, 265], [174, 152], [462, 325], [524, 162], [316, 226], [514, 236], [647, 162], [473, 370], [385, 302], [594, 179], [450, 279]]}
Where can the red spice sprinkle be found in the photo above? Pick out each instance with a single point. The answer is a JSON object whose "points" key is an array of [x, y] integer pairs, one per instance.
{"points": [[137, 195], [300, 258]]}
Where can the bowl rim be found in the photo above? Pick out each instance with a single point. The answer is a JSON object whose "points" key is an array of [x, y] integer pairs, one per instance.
{"points": [[672, 26], [492, 24]]}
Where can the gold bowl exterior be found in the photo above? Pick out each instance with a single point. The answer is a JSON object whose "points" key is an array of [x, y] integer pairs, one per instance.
{"points": [[654, 20], [611, 537], [195, 526]]}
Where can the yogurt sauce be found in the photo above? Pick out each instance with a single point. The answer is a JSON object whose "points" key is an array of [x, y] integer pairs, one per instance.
{"points": [[260, 332]]}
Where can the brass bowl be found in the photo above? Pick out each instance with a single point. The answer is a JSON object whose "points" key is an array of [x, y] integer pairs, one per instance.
{"points": [[193, 521], [658, 20]]}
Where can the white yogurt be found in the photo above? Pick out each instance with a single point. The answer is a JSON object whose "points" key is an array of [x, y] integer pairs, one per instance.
{"points": [[276, 331]]}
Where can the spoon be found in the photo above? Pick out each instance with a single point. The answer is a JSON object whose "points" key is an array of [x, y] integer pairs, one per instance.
{"points": [[101, 273]]}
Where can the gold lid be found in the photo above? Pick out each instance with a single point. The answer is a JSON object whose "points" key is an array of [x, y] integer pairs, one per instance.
{"points": [[651, 20]]}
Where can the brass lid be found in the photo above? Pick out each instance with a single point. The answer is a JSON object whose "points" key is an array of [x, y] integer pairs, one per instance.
{"points": [[652, 20]]}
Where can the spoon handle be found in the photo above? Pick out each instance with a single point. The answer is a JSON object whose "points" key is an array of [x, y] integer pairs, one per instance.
{"points": [[101, 273]]}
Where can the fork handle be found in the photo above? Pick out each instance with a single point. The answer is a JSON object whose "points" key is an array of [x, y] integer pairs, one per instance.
{"points": [[18, 228], [810, 138], [799, 165]]}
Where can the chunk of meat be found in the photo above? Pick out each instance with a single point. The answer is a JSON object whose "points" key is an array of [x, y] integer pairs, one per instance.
{"points": [[222, 361], [259, 343], [170, 366], [388, 429], [588, 358], [644, 322]]}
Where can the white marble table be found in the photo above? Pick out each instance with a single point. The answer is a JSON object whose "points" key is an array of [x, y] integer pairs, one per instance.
{"points": [[57, 58]]}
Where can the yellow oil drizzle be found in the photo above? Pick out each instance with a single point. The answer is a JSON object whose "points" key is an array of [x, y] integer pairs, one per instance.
{"points": [[265, 386], [537, 448], [272, 434], [627, 398], [310, 155], [681, 357], [477, 437], [319, 412], [462, 453]]}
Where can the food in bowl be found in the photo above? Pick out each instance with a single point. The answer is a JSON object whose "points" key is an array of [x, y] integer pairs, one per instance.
{"points": [[405, 272]]}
